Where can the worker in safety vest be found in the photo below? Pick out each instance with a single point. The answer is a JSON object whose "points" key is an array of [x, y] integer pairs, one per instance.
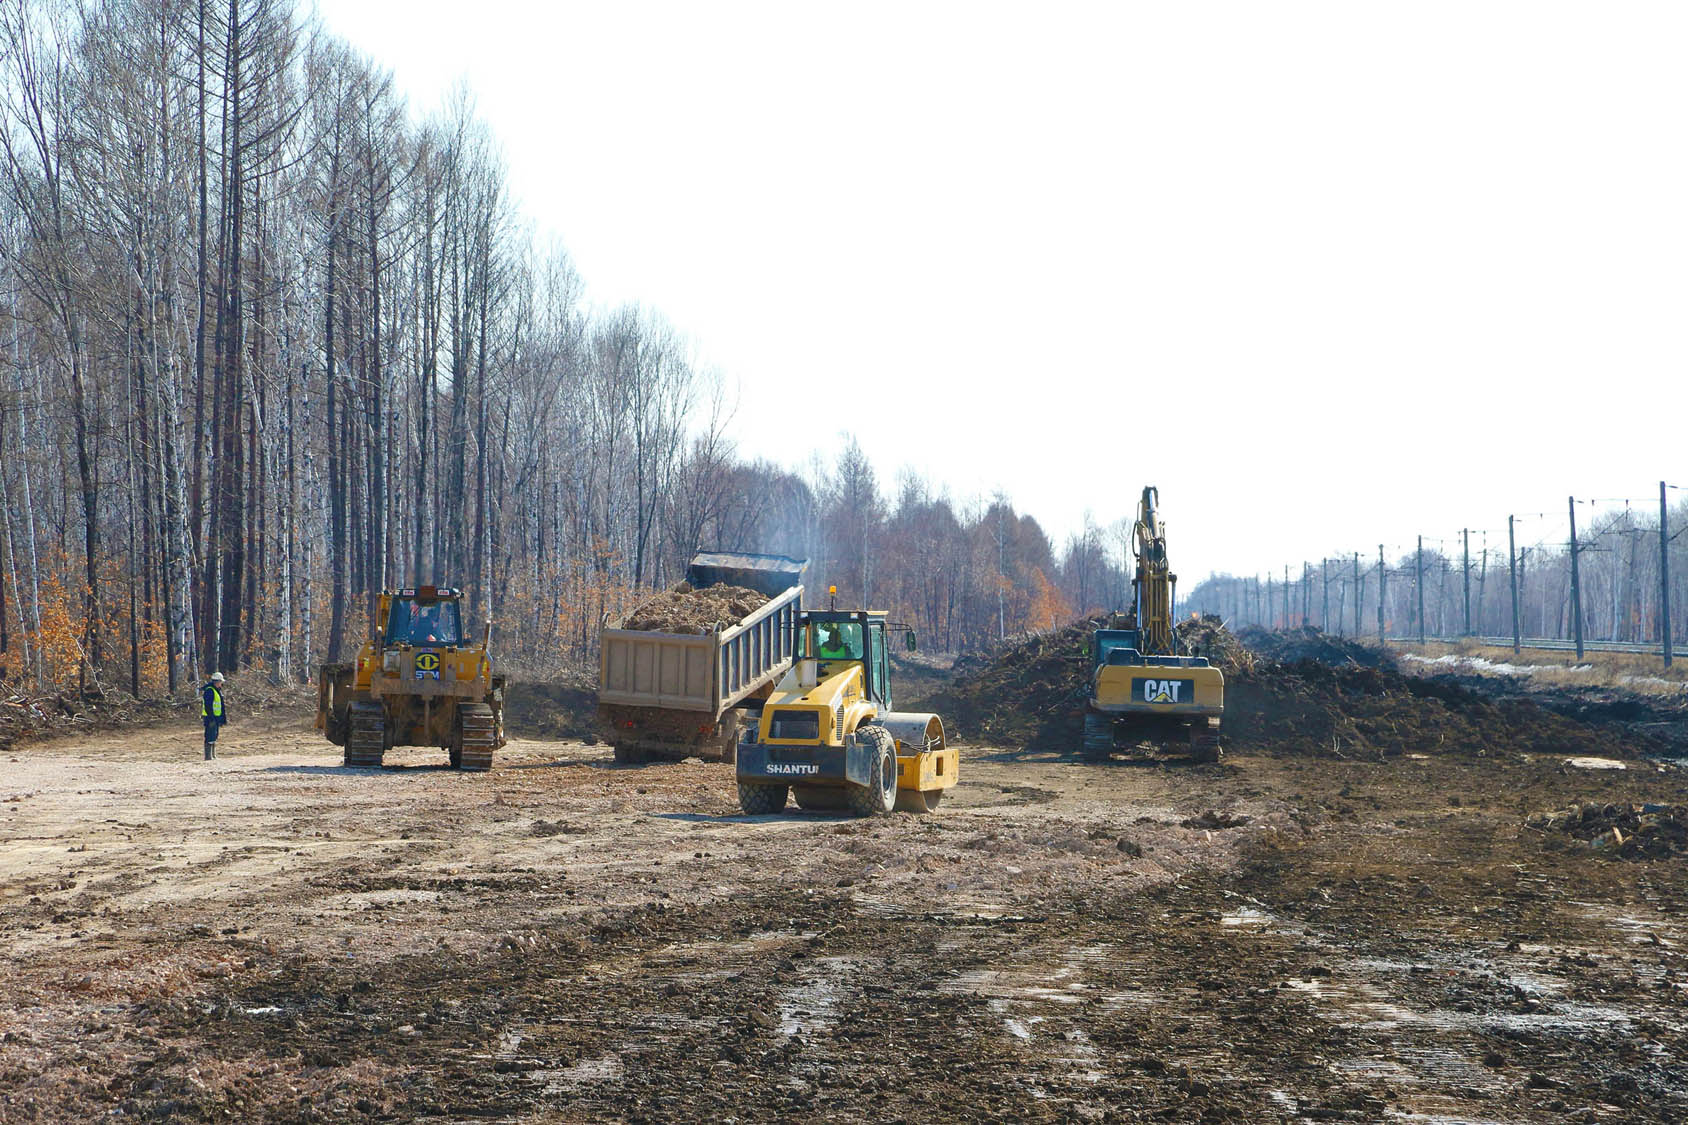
{"points": [[213, 712]]}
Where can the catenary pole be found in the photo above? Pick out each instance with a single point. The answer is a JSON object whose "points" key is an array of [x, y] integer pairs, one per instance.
{"points": [[1512, 569], [1576, 583]]}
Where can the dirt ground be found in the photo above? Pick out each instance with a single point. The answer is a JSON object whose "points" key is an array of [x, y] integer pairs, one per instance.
{"points": [[1277, 937]]}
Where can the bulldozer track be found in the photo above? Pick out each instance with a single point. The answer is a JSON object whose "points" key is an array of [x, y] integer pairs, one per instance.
{"points": [[479, 734], [366, 742]]}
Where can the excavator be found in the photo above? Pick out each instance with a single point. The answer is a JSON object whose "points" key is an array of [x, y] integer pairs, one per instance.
{"points": [[419, 680], [1142, 687], [828, 734]]}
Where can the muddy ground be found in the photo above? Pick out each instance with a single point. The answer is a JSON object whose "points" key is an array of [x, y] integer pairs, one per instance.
{"points": [[1283, 936]]}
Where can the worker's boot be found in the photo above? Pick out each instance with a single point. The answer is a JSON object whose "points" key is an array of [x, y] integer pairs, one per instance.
{"points": [[210, 751]]}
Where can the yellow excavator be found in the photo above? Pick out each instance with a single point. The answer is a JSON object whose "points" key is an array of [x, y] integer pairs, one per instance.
{"points": [[1142, 687], [828, 734], [420, 680]]}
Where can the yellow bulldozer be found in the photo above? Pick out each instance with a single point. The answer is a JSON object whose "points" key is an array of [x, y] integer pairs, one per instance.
{"points": [[1142, 687], [420, 680], [828, 734]]}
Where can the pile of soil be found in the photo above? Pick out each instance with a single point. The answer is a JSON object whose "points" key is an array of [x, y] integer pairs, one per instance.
{"points": [[563, 707], [1030, 691], [685, 610], [1311, 708], [26, 717], [1293, 646], [22, 717], [1207, 636], [1626, 830]]}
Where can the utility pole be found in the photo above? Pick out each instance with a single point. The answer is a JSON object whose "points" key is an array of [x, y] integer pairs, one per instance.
{"points": [[1576, 584], [1382, 590], [1324, 612], [1357, 594], [1664, 578], [1419, 580], [1467, 532], [1512, 568]]}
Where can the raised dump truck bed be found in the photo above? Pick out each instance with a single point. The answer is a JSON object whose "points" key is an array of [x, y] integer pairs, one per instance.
{"points": [[675, 695]]}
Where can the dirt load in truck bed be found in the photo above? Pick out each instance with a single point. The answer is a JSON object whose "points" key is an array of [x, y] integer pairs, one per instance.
{"points": [[685, 610]]}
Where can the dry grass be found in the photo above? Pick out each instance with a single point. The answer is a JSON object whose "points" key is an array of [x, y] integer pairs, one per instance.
{"points": [[1645, 674]]}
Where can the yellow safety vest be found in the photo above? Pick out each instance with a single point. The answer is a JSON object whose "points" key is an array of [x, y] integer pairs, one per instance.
{"points": [[216, 711]]}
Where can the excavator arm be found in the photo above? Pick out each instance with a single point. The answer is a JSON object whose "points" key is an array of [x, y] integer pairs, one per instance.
{"points": [[1154, 584]]}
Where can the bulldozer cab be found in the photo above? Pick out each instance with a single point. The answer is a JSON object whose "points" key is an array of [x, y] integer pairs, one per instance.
{"points": [[424, 616], [834, 638]]}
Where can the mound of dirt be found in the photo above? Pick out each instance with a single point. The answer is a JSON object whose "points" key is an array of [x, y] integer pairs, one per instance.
{"points": [[685, 610], [1207, 636], [564, 707], [1030, 691], [1294, 646], [26, 718], [1376, 712], [1627, 831]]}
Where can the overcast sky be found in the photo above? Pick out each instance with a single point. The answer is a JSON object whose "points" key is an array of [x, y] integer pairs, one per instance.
{"points": [[1328, 274]]}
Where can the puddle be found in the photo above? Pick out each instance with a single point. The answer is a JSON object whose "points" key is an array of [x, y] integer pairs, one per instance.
{"points": [[1246, 916], [1021, 1029], [813, 1002], [603, 1068]]}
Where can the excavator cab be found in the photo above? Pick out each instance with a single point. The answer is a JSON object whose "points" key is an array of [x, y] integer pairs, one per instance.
{"points": [[1112, 646]]}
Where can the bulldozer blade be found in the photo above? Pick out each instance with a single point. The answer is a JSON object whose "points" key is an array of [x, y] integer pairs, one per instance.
{"points": [[919, 800]]}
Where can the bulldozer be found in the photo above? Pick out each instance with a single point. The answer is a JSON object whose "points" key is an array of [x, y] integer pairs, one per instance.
{"points": [[418, 681], [1143, 689], [829, 735]]}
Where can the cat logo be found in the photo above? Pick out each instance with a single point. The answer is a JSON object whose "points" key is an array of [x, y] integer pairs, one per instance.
{"points": [[1163, 691]]}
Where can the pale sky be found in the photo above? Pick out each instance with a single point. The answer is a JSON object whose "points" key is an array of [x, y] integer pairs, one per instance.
{"points": [[1328, 274]]}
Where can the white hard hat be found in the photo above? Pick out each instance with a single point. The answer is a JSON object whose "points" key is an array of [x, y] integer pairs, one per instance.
{"points": [[216, 677]]}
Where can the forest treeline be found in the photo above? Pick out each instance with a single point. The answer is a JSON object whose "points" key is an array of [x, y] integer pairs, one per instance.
{"points": [[1621, 561], [271, 342]]}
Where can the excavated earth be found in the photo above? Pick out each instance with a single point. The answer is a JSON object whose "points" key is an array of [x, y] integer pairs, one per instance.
{"points": [[1377, 908], [682, 609]]}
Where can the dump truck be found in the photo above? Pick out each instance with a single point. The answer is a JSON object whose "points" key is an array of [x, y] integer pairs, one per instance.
{"points": [[1143, 689], [419, 680], [829, 735], [669, 696]]}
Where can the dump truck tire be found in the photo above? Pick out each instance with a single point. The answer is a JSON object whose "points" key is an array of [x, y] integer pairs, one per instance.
{"points": [[757, 799], [881, 797]]}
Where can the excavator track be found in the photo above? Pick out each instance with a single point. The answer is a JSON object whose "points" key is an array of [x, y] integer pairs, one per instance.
{"points": [[366, 741], [477, 734], [1098, 736], [1204, 741]]}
